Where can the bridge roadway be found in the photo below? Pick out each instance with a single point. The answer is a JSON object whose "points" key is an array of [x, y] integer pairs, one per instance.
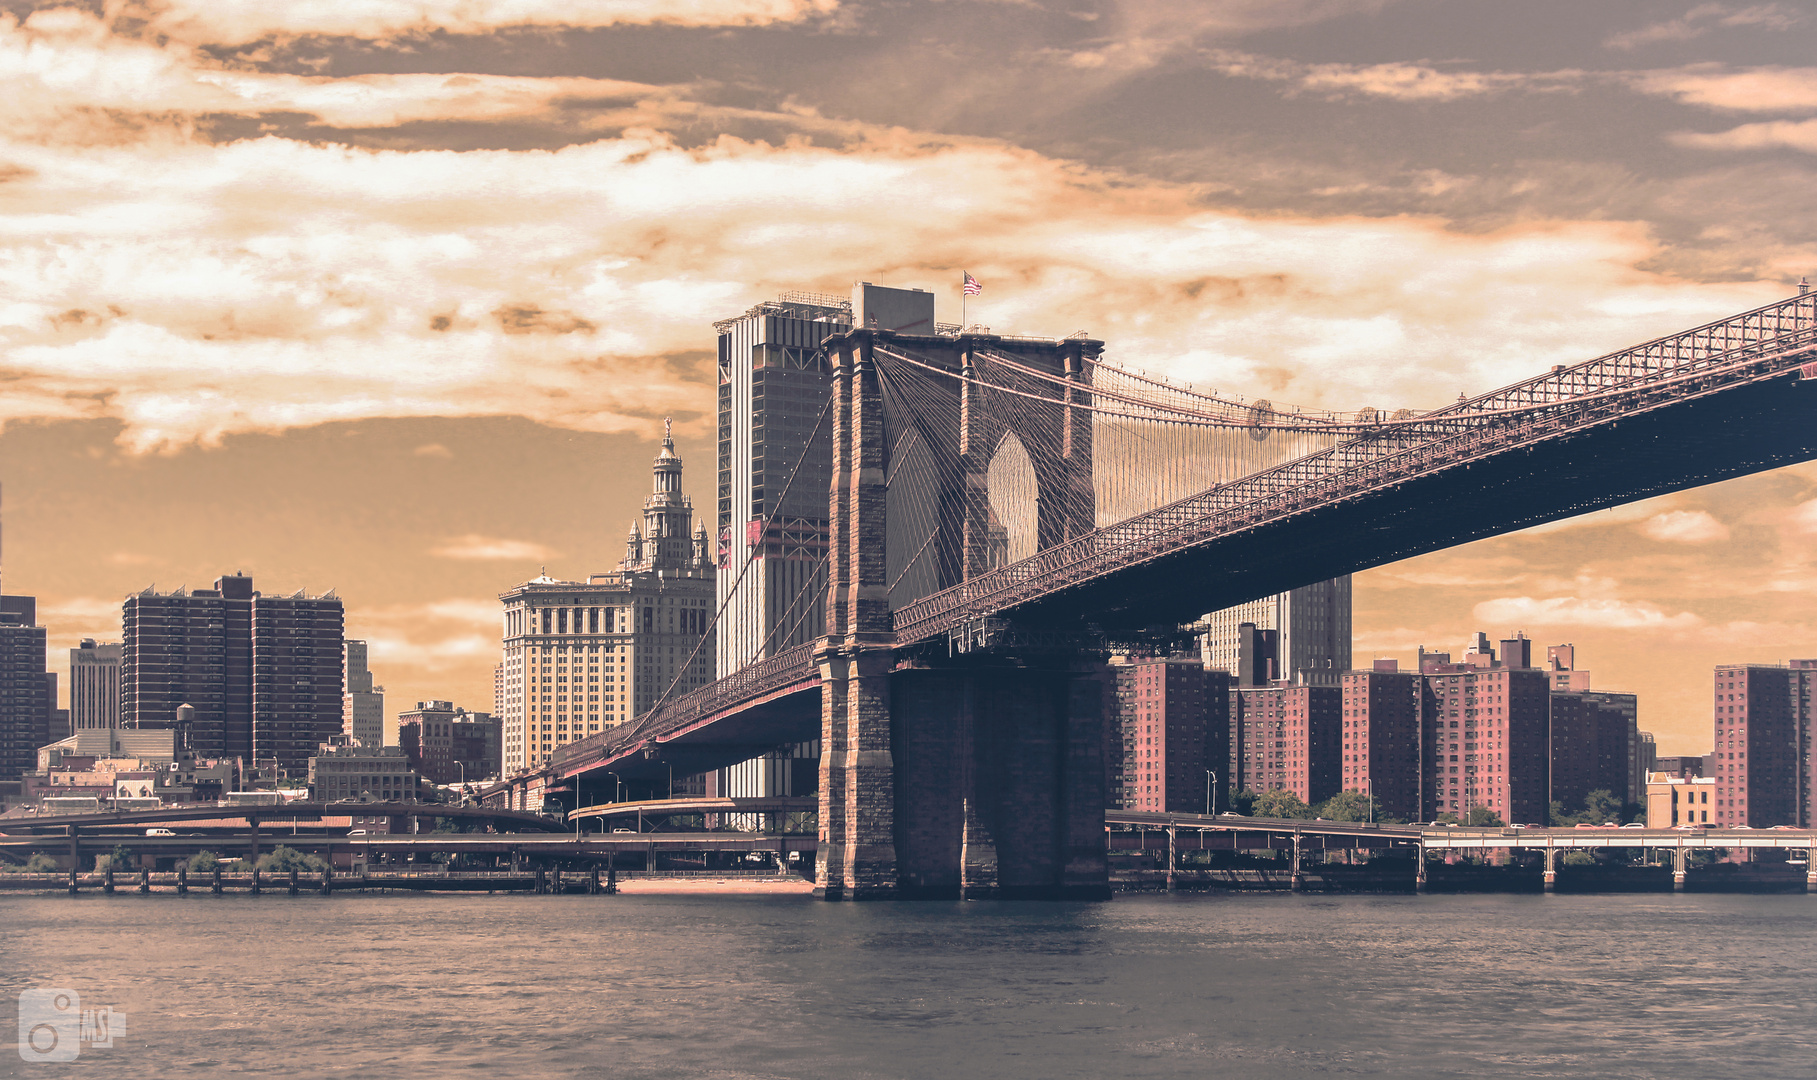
{"points": [[274, 812], [1730, 398], [1131, 831], [541, 845]]}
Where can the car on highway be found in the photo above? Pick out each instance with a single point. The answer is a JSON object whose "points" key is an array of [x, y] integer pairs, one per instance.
{"points": [[159, 832], [1635, 825]]}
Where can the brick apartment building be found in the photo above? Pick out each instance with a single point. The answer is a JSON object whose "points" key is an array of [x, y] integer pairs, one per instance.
{"points": [[1762, 761], [1173, 728], [1287, 737], [1381, 738]]}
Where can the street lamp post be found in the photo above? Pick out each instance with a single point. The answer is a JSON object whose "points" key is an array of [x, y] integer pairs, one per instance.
{"points": [[619, 788], [1211, 802]]}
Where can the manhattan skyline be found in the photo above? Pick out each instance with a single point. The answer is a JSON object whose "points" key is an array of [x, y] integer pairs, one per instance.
{"points": [[396, 307]]}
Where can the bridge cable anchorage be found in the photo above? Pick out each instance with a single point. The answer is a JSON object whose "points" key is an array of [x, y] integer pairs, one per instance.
{"points": [[639, 726]]}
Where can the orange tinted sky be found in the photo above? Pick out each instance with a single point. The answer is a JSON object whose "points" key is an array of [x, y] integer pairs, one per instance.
{"points": [[390, 296]]}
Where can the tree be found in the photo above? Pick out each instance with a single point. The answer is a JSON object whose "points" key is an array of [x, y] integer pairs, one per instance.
{"points": [[203, 862], [1350, 806], [1281, 803], [1446, 818], [282, 860], [1481, 817], [1242, 802], [1601, 806]]}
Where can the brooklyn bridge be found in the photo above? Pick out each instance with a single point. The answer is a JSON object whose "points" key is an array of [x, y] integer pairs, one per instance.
{"points": [[958, 690]]}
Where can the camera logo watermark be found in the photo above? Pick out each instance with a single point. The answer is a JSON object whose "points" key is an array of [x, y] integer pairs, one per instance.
{"points": [[53, 1025]]}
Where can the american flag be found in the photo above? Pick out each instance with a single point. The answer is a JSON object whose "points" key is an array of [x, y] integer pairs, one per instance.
{"points": [[972, 288]]}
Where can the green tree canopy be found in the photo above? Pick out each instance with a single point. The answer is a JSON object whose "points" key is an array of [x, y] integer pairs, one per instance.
{"points": [[1481, 817], [1601, 806], [282, 860], [1350, 806], [203, 862], [1281, 803]]}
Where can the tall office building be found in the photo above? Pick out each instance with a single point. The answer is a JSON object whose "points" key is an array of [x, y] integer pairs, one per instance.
{"points": [[584, 656], [1763, 762], [94, 685], [1311, 628], [263, 673], [771, 531], [363, 704], [774, 384], [28, 693]]}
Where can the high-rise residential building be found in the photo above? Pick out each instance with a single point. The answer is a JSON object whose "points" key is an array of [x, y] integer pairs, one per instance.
{"points": [[1628, 782], [28, 693], [1381, 738], [362, 704], [1287, 737], [263, 673], [1172, 735], [1763, 763], [297, 659], [94, 685], [1485, 738], [1311, 627], [584, 656]]}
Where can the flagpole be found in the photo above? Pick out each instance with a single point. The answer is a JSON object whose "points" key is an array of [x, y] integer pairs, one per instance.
{"points": [[962, 301]]}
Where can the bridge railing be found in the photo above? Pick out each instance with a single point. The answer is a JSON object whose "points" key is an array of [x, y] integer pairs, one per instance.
{"points": [[1748, 346], [754, 680]]}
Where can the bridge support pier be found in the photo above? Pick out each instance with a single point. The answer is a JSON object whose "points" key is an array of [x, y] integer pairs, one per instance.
{"points": [[182, 879], [1678, 869], [1810, 871], [1419, 868], [1296, 881], [999, 776], [1551, 873]]}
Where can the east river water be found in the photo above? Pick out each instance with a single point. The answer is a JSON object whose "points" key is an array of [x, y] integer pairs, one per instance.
{"points": [[1695, 986]]}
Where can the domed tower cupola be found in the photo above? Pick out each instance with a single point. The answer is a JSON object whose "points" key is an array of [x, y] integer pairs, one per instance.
{"points": [[668, 463], [668, 516]]}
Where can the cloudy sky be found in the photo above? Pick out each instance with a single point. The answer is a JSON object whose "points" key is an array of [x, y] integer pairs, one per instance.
{"points": [[390, 296]]}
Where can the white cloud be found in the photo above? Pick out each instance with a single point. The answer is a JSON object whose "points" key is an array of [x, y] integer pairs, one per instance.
{"points": [[435, 636], [1771, 135], [1764, 89], [1803, 517], [474, 546], [238, 22], [1704, 18], [63, 74], [191, 289], [1398, 81], [1571, 611], [1684, 527], [436, 450]]}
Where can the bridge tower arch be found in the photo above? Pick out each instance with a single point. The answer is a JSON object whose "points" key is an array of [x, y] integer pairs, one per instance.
{"points": [[936, 779]]}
